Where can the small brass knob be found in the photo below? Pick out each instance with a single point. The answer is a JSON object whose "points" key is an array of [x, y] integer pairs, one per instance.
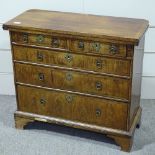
{"points": [[113, 49], [69, 76], [98, 112], [41, 76], [96, 47], [99, 63], [68, 57], [42, 101], [25, 38], [69, 98], [55, 42], [98, 85], [40, 38], [81, 45], [39, 56]]}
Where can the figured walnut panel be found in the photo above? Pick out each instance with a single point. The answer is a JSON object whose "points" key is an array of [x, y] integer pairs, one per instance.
{"points": [[77, 61], [100, 48], [92, 26], [39, 40], [73, 107], [74, 81]]}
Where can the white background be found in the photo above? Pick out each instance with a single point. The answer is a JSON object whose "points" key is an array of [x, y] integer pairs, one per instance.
{"points": [[123, 8]]}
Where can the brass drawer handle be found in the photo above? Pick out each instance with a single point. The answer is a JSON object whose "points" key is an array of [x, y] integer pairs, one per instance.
{"points": [[98, 112], [96, 47], [81, 44], [68, 57], [69, 98], [55, 42], [41, 77], [40, 38], [99, 63], [98, 85], [42, 101], [39, 56], [69, 76], [113, 49], [25, 38]]}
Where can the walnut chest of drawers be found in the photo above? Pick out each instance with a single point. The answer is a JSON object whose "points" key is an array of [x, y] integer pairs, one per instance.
{"points": [[78, 70]]}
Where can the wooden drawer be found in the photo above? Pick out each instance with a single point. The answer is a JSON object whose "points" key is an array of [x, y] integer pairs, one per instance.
{"points": [[74, 81], [76, 61], [74, 107], [109, 49], [39, 40], [100, 48]]}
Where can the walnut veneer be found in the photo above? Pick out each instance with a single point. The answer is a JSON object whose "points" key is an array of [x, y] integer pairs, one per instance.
{"points": [[79, 70]]}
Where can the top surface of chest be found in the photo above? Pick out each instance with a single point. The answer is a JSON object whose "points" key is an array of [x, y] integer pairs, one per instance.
{"points": [[114, 28]]}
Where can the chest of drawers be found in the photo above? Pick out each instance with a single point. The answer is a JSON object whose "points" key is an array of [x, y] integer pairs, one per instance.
{"points": [[83, 71]]}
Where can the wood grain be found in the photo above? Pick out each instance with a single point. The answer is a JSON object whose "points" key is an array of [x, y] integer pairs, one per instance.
{"points": [[71, 80], [136, 80], [78, 70], [32, 39], [77, 61], [124, 142], [78, 108], [103, 48], [122, 138], [21, 122], [73, 45], [115, 28]]}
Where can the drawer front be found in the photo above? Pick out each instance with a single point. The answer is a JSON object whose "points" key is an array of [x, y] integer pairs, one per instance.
{"points": [[116, 50], [39, 40], [98, 48], [74, 81], [77, 61], [73, 107]]}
